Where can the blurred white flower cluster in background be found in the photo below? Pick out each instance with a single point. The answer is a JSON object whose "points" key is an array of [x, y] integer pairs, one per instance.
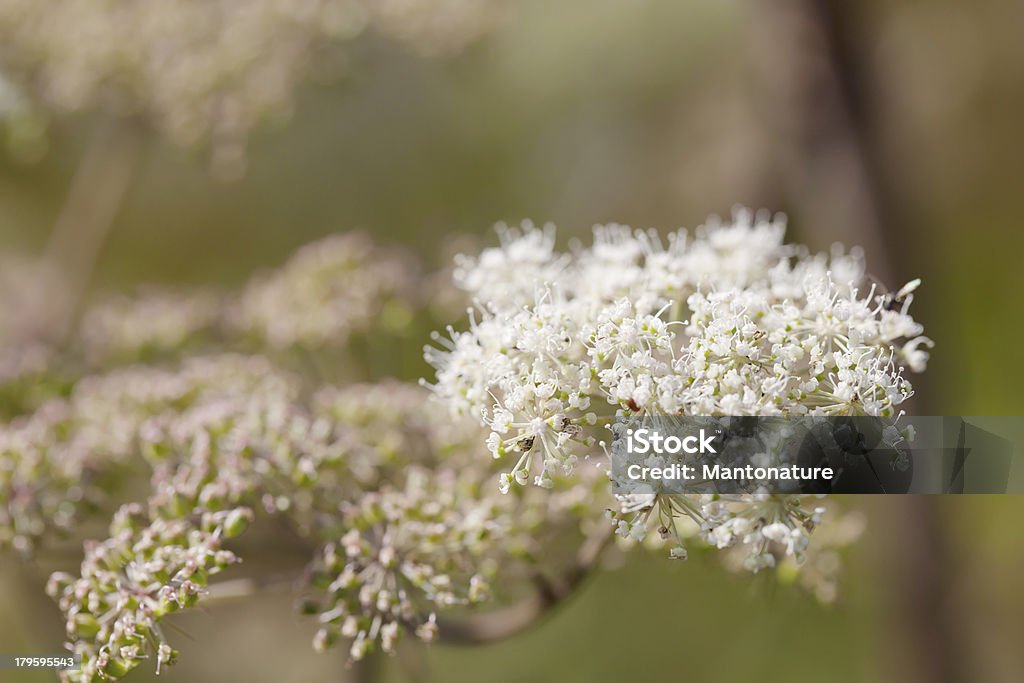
{"points": [[208, 71]]}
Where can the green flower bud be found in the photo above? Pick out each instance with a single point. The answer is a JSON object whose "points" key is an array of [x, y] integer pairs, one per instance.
{"points": [[237, 522]]}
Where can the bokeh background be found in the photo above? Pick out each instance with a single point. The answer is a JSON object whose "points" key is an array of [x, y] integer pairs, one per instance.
{"points": [[894, 125]]}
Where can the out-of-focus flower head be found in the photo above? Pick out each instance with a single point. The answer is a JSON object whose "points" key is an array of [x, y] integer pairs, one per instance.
{"points": [[206, 71], [326, 292]]}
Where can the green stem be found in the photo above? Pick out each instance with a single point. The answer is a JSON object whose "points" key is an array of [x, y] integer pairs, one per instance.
{"points": [[96, 196]]}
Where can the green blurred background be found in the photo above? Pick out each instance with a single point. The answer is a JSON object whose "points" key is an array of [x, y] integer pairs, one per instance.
{"points": [[896, 125]]}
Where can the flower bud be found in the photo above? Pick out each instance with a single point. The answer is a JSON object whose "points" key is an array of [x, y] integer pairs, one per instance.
{"points": [[237, 522]]}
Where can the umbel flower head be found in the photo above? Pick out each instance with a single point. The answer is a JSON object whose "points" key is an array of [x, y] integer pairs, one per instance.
{"points": [[425, 546], [727, 320]]}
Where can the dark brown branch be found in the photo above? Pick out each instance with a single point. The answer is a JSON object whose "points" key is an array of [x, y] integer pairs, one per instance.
{"points": [[924, 570], [820, 81], [811, 92], [234, 589]]}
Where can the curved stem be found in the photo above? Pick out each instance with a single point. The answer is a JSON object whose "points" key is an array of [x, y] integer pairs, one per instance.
{"points": [[507, 622], [97, 193], [235, 589]]}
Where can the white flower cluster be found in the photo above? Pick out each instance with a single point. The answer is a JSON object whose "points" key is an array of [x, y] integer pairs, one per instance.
{"points": [[149, 323], [765, 527], [155, 562], [728, 320], [408, 551], [323, 294], [52, 462], [374, 476], [327, 291], [818, 568]]}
